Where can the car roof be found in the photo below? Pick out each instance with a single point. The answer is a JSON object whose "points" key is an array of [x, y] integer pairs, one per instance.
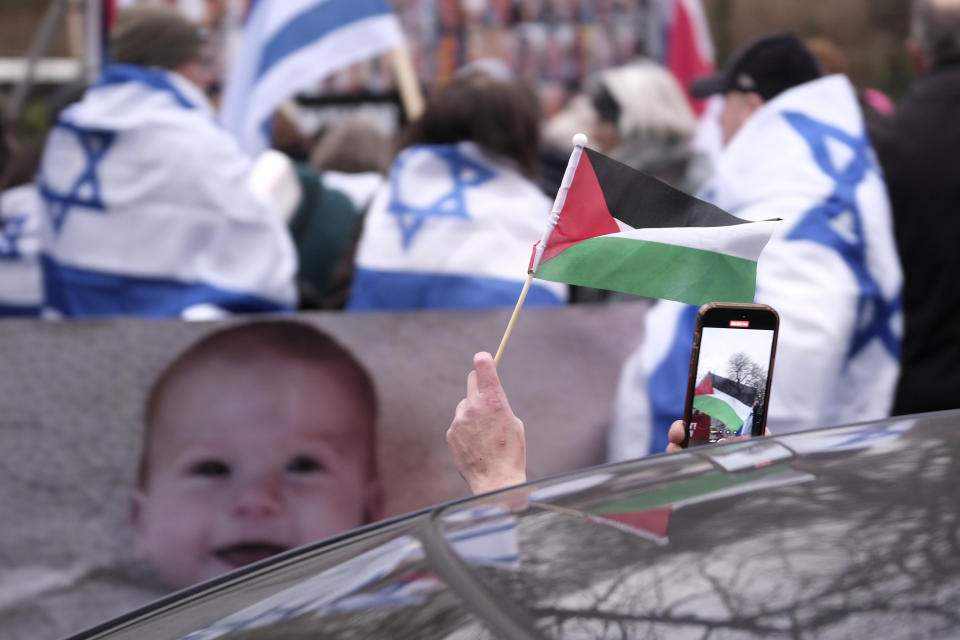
{"points": [[839, 532]]}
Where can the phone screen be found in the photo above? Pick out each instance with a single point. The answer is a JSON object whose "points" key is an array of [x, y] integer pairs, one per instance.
{"points": [[731, 382]]}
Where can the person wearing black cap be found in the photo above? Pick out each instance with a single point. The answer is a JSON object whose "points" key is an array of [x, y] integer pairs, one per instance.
{"points": [[795, 148], [758, 72], [150, 208]]}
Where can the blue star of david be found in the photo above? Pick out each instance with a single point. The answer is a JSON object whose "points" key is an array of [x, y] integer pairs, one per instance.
{"points": [[95, 144], [11, 230], [874, 312], [463, 172]]}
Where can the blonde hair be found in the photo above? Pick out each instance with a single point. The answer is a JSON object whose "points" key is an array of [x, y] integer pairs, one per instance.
{"points": [[652, 104], [575, 118]]}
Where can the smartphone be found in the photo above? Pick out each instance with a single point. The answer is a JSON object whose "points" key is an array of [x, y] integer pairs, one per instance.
{"points": [[728, 389]]}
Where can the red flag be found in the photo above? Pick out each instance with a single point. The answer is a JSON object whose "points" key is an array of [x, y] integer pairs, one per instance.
{"points": [[652, 521], [109, 14], [689, 52]]}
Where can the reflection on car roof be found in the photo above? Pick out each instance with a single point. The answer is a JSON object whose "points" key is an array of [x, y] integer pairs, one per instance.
{"points": [[843, 532]]}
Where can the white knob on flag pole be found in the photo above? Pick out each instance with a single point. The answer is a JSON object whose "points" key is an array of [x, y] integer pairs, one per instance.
{"points": [[408, 86], [579, 140]]}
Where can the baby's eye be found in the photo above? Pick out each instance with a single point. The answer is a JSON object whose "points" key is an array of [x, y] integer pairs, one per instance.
{"points": [[304, 464], [209, 468]]}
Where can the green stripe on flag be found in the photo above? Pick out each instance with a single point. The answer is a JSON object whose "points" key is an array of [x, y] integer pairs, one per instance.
{"points": [[717, 408], [653, 269]]}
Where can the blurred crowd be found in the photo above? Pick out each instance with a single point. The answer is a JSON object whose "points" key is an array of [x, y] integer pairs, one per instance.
{"points": [[139, 203]]}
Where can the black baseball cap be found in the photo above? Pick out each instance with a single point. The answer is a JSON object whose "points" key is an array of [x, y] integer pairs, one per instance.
{"points": [[766, 66]]}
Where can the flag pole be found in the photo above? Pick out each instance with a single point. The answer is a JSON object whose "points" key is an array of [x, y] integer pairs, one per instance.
{"points": [[579, 142], [513, 319], [411, 96]]}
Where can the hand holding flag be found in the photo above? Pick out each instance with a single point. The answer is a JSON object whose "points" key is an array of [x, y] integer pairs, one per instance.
{"points": [[485, 438]]}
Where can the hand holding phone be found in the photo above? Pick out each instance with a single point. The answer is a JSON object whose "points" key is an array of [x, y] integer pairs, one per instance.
{"points": [[731, 367]]}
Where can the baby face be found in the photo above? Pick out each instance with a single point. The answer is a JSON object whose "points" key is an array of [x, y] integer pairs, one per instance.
{"points": [[244, 462]]}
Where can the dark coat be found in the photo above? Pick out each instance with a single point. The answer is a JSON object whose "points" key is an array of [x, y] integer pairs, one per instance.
{"points": [[919, 150], [324, 228]]}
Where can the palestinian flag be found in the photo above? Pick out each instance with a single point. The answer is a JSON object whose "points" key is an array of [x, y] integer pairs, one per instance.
{"points": [[688, 53], [719, 405], [623, 230]]}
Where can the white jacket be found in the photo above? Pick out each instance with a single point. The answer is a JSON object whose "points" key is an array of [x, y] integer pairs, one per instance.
{"points": [[831, 271], [149, 208]]}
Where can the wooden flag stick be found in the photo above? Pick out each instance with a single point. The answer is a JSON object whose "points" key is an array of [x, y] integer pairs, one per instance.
{"points": [[513, 319], [579, 142], [407, 84]]}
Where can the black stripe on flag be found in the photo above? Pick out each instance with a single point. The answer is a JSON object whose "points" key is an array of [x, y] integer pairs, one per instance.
{"points": [[645, 202], [741, 392]]}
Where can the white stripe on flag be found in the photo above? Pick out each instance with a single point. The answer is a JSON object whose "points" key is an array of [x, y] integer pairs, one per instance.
{"points": [[286, 48], [738, 240]]}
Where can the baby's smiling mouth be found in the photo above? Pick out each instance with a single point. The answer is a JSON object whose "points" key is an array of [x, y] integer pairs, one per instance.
{"points": [[239, 555]]}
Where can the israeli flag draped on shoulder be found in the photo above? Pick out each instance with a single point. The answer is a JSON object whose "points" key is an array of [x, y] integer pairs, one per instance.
{"points": [[21, 288], [452, 229], [831, 270], [288, 44], [149, 210]]}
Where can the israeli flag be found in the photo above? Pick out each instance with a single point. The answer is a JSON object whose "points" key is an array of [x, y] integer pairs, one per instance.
{"points": [[149, 208], [453, 229], [21, 284], [289, 44], [831, 271]]}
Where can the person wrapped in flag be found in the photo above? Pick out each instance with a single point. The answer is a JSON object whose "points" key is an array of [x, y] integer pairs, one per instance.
{"points": [[21, 281], [453, 228], [149, 207], [795, 147]]}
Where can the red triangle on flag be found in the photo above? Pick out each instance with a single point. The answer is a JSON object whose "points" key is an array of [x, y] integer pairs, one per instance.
{"points": [[705, 388], [585, 213], [653, 521]]}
